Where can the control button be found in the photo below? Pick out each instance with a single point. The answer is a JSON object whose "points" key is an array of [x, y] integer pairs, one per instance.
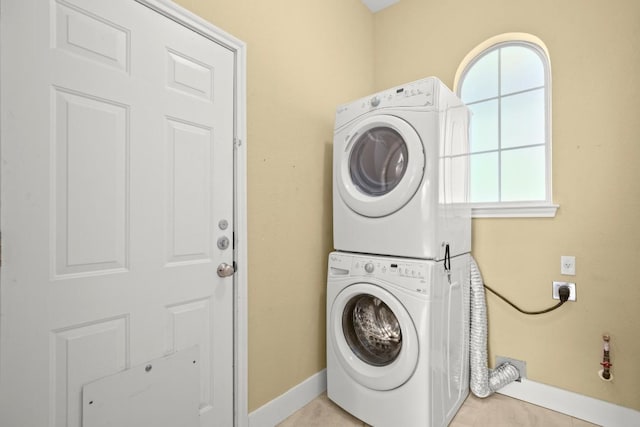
{"points": [[368, 267]]}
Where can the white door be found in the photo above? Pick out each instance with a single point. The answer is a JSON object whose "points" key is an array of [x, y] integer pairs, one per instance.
{"points": [[116, 186]]}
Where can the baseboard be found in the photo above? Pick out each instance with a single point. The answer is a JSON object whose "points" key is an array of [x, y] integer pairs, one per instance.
{"points": [[559, 400], [286, 404], [573, 404]]}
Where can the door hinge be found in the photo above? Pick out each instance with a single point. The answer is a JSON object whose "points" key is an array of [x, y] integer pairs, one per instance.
{"points": [[237, 142]]}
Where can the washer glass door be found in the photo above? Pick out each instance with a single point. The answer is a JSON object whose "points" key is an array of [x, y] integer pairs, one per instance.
{"points": [[371, 330], [373, 336], [381, 165]]}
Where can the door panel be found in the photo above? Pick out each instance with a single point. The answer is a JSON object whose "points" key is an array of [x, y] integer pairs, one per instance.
{"points": [[117, 166], [90, 184], [189, 225]]}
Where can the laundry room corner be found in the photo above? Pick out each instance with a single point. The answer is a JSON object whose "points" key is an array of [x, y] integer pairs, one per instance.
{"points": [[303, 59], [595, 100]]}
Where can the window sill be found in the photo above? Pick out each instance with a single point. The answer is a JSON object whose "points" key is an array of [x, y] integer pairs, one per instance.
{"points": [[514, 210]]}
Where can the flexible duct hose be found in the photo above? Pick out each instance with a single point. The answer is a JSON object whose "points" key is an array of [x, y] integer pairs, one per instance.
{"points": [[483, 381]]}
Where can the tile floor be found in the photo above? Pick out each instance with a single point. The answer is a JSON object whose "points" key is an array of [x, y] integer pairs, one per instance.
{"points": [[495, 411]]}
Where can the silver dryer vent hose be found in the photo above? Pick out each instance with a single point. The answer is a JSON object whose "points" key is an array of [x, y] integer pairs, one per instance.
{"points": [[483, 381]]}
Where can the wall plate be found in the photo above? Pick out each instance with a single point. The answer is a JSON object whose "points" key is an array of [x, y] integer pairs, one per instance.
{"points": [[521, 365], [568, 265], [572, 289]]}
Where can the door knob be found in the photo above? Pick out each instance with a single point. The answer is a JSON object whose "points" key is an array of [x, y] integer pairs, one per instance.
{"points": [[225, 270]]}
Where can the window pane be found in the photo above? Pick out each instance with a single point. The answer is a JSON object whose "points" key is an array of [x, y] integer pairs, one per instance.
{"points": [[521, 69], [484, 126], [523, 174], [484, 177], [481, 80], [523, 119], [505, 88]]}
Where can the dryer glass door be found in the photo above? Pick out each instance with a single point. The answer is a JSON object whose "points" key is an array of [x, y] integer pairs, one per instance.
{"points": [[380, 167], [378, 161]]}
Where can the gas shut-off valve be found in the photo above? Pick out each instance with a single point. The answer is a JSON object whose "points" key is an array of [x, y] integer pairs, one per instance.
{"points": [[605, 372]]}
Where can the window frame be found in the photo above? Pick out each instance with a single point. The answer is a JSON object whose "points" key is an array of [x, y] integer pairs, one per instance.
{"points": [[537, 208]]}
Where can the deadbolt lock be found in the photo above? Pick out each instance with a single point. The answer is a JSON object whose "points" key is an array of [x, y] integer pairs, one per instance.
{"points": [[223, 242]]}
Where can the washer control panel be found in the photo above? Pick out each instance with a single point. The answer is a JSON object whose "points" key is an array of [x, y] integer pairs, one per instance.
{"points": [[411, 275], [378, 268]]}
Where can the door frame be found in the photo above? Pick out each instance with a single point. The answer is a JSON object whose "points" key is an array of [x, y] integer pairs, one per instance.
{"points": [[240, 327]]}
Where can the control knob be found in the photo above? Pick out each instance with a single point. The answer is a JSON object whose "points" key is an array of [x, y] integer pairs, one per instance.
{"points": [[368, 267], [375, 101]]}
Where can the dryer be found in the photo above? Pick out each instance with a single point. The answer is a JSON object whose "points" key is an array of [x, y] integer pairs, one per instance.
{"points": [[400, 181], [398, 338]]}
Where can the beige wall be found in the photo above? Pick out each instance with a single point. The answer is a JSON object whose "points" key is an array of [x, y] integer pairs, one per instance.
{"points": [[304, 58], [595, 57]]}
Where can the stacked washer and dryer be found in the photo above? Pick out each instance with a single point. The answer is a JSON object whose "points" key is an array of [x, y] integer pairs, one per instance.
{"points": [[398, 282]]}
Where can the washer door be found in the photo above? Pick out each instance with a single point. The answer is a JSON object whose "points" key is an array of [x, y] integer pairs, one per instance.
{"points": [[381, 166], [374, 337]]}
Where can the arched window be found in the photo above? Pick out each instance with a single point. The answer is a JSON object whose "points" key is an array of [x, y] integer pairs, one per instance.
{"points": [[506, 83]]}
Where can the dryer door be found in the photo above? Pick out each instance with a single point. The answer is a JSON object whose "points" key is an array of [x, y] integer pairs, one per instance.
{"points": [[381, 166], [374, 337]]}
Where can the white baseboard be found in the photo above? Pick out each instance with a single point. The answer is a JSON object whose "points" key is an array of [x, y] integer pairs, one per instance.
{"points": [[573, 404], [286, 404], [559, 400]]}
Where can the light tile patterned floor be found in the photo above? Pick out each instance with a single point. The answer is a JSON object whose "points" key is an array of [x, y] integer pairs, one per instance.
{"points": [[494, 411]]}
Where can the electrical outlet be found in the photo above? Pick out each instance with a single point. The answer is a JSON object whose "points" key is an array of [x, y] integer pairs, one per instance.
{"points": [[521, 365], [572, 290], [568, 265]]}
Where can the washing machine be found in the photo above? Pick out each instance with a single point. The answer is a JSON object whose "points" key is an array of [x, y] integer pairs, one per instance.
{"points": [[398, 338], [400, 173]]}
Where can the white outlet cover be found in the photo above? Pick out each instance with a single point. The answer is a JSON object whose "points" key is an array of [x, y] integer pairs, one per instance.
{"points": [[568, 265], [572, 290]]}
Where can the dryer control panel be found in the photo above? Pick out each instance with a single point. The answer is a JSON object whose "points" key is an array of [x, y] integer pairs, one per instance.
{"points": [[415, 94]]}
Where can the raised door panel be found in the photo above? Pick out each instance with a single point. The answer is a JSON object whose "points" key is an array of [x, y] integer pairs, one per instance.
{"points": [[80, 354], [190, 192], [90, 184]]}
